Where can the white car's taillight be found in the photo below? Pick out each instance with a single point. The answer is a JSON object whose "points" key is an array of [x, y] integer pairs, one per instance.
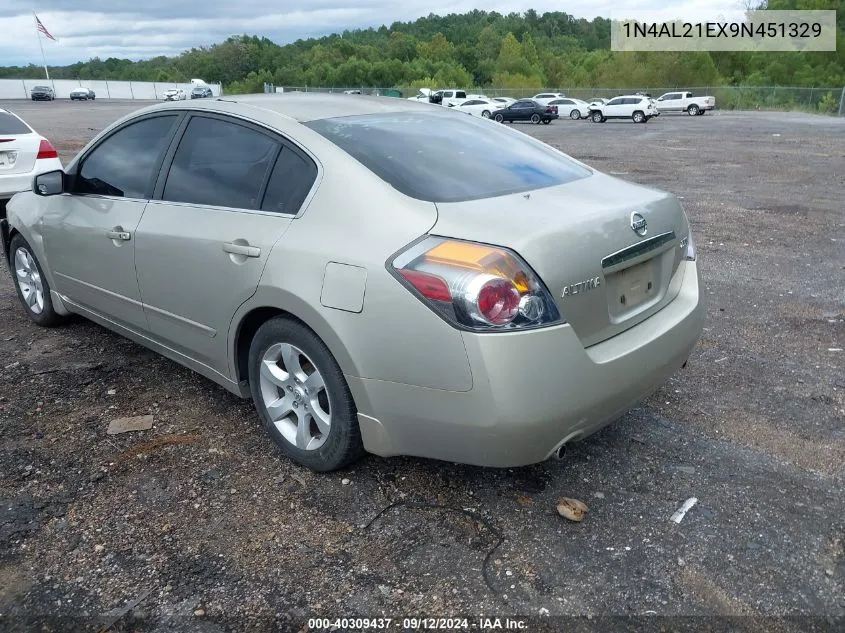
{"points": [[46, 150], [475, 286]]}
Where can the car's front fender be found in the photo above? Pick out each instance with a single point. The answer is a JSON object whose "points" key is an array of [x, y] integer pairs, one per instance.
{"points": [[24, 213]]}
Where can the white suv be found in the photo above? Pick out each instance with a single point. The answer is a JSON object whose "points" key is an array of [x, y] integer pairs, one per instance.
{"points": [[635, 107], [545, 97]]}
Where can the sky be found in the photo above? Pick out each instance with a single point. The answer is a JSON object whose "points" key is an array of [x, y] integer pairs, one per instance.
{"points": [[117, 28]]}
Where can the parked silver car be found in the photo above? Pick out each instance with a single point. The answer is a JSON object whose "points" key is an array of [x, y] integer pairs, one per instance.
{"points": [[377, 274]]}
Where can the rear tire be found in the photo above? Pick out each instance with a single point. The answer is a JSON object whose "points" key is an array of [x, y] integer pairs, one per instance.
{"points": [[485, 114], [693, 110], [31, 286], [546, 121], [638, 117], [535, 118], [575, 114], [319, 399]]}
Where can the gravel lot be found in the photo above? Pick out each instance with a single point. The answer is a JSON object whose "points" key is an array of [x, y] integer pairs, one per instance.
{"points": [[217, 533]]}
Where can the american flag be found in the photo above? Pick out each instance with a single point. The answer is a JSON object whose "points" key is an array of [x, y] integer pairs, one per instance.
{"points": [[42, 29]]}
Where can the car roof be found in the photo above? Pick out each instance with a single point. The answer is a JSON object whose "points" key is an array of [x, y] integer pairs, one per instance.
{"points": [[309, 106]]}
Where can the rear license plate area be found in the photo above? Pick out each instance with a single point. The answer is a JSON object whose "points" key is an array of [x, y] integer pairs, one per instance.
{"points": [[631, 288], [8, 159]]}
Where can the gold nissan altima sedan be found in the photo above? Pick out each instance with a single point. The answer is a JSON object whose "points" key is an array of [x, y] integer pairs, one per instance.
{"points": [[377, 275]]}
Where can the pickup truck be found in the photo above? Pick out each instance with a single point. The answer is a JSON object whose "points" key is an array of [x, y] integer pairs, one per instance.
{"points": [[448, 98], [685, 102]]}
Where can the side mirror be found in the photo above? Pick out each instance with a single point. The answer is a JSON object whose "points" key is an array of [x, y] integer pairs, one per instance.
{"points": [[50, 183]]}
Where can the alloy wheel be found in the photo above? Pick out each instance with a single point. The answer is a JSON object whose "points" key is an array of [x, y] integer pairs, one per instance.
{"points": [[295, 396], [29, 281]]}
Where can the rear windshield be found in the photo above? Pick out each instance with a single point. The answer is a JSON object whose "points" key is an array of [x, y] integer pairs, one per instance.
{"points": [[449, 156], [12, 125]]}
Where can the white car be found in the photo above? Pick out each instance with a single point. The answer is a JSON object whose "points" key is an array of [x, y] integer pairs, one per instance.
{"points": [[544, 98], [596, 101], [82, 94], [573, 108], [479, 107], [638, 108], [175, 94], [23, 154], [503, 102]]}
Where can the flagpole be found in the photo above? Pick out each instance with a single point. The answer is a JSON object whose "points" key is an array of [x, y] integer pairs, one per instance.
{"points": [[41, 46]]}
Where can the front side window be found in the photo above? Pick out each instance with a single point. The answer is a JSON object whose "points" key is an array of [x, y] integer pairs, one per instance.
{"points": [[614, 102], [219, 163], [416, 154], [461, 95], [124, 163]]}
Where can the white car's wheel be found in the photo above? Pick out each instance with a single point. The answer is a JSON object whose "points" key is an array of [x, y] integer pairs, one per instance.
{"points": [[638, 117], [485, 114], [597, 117], [575, 114], [693, 110]]}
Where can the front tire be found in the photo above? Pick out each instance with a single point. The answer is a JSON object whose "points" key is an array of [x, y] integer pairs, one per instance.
{"points": [[597, 117], [32, 287], [693, 110], [575, 114], [499, 118], [302, 397], [485, 114], [535, 118]]}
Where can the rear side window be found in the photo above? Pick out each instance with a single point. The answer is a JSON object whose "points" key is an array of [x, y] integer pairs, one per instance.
{"points": [[220, 163], [10, 124], [123, 164], [292, 178], [448, 157]]}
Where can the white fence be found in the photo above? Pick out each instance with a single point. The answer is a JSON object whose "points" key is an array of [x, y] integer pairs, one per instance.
{"points": [[19, 88]]}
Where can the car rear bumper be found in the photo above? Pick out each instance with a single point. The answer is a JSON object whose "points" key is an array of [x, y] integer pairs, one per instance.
{"points": [[532, 391]]}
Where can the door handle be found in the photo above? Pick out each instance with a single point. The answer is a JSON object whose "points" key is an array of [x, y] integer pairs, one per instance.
{"points": [[119, 235], [241, 249]]}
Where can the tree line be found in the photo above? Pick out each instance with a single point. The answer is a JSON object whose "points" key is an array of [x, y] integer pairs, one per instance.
{"points": [[474, 49]]}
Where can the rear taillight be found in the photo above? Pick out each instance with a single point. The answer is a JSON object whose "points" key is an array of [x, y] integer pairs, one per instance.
{"points": [[45, 150], [475, 286]]}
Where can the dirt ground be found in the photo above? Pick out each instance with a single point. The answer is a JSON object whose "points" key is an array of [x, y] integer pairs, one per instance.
{"points": [[199, 525]]}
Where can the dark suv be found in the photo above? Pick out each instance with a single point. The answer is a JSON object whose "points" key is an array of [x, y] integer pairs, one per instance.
{"points": [[42, 93], [200, 92]]}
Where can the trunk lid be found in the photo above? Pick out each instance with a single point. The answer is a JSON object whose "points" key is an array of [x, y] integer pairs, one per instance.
{"points": [[604, 276]]}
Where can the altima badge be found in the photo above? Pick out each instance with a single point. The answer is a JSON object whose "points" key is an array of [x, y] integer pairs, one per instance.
{"points": [[638, 224], [582, 286]]}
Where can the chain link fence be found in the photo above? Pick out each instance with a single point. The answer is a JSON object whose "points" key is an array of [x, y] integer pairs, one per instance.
{"points": [[819, 100]]}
